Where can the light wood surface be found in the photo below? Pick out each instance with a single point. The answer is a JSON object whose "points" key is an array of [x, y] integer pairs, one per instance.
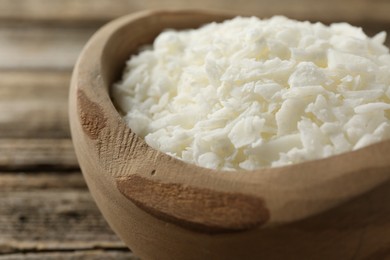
{"points": [[46, 211], [19, 154], [39, 43], [51, 214], [41, 47], [169, 202], [33, 104], [102, 10], [93, 254]]}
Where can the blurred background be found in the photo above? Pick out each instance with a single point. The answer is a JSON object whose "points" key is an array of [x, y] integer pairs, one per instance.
{"points": [[46, 211]]}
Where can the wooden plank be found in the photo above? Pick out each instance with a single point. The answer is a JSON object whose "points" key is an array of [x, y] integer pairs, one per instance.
{"points": [[34, 104], [19, 181], [51, 215], [34, 154], [103, 10], [76, 255], [52, 220], [41, 47], [34, 84], [34, 119]]}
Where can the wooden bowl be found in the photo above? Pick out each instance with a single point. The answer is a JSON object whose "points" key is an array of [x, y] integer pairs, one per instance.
{"points": [[163, 208]]}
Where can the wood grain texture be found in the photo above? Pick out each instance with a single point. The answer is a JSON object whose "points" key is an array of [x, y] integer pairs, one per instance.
{"points": [[34, 104], [25, 47], [91, 116], [44, 215], [73, 255], [39, 43], [24, 84], [34, 118], [195, 208], [30, 154], [51, 215], [103, 10], [36, 181]]}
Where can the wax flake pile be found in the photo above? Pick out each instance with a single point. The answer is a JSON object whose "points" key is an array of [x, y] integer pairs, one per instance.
{"points": [[250, 93]]}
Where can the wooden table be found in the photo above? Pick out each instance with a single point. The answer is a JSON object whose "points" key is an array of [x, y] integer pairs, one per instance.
{"points": [[46, 211]]}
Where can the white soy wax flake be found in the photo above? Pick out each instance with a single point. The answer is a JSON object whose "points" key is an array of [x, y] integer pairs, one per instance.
{"points": [[250, 93]]}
